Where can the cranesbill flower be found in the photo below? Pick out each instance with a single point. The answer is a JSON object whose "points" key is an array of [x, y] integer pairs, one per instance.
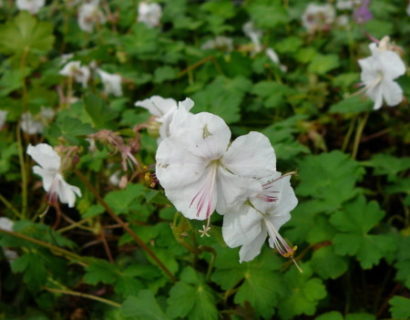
{"points": [[218, 43], [318, 17], [50, 171], [112, 83], [378, 74], [201, 171], [33, 6], [90, 15], [362, 13], [164, 110], [149, 14], [256, 219], [254, 34], [35, 124], [7, 224], [76, 71], [273, 56]]}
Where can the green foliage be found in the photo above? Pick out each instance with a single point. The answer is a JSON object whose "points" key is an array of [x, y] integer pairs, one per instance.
{"points": [[400, 307], [354, 223], [143, 306]]}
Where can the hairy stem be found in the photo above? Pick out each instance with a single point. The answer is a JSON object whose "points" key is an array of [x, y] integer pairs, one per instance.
{"points": [[359, 132]]}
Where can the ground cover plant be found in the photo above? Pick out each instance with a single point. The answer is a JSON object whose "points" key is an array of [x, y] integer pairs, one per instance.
{"points": [[181, 159]]}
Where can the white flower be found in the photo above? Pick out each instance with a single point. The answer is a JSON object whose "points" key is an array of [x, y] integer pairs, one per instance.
{"points": [[342, 20], [112, 83], [249, 225], [35, 124], [318, 17], [90, 15], [254, 34], [149, 13], [6, 224], [164, 110], [3, 116], [30, 125], [50, 172], [219, 42], [275, 58], [201, 171], [73, 69], [378, 74], [33, 6]]}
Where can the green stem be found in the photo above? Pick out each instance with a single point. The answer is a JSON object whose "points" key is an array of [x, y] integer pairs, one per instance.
{"points": [[125, 226], [57, 250], [10, 206], [83, 295], [359, 132], [348, 134], [24, 178]]}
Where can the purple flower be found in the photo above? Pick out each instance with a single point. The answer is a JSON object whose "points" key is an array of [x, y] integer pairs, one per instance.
{"points": [[362, 13]]}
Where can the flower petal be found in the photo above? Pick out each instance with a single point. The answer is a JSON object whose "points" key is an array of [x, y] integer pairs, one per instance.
{"points": [[46, 175], [241, 227], [205, 135], [66, 192], [250, 250], [392, 93], [157, 106], [175, 166], [45, 156], [251, 155]]}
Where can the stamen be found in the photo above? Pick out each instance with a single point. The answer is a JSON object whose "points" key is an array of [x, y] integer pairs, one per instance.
{"points": [[267, 193], [206, 228], [280, 244]]}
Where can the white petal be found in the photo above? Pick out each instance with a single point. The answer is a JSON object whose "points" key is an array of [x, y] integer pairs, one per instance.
{"points": [[250, 250], [205, 135], [45, 156], [47, 176], [391, 64], [392, 93], [187, 104], [241, 227], [234, 190], [251, 155], [6, 224], [157, 105], [175, 166], [66, 192]]}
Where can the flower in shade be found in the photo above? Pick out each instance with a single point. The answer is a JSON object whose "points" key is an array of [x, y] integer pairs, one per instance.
{"points": [[33, 6], [201, 170], [7, 224], [90, 15], [318, 17], [76, 71], [218, 43], [112, 83], [49, 170], [379, 72], [35, 124], [362, 13], [149, 13], [164, 111], [251, 223], [254, 34]]}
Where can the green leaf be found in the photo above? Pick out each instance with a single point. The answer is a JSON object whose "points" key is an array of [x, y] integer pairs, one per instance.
{"points": [[354, 223], [261, 284], [24, 34], [164, 73], [272, 93], [360, 316], [191, 298], [352, 104], [99, 112], [223, 97], [120, 201], [332, 315], [322, 64], [403, 261], [144, 306], [100, 271], [268, 16], [327, 264], [303, 293], [400, 308], [329, 178], [385, 164], [33, 265], [70, 128]]}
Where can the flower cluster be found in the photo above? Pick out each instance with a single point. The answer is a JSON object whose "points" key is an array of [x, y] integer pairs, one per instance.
{"points": [[202, 170]]}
